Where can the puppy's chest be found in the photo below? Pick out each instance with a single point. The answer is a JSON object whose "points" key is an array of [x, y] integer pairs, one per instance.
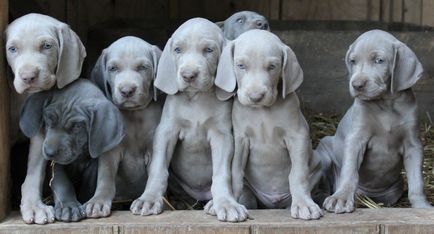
{"points": [[261, 126]]}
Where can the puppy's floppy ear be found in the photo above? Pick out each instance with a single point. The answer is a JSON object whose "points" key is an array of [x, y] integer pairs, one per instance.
{"points": [[156, 54], [71, 54], [407, 69], [166, 71], [347, 58], [31, 113], [221, 24], [99, 75], [225, 77], [105, 127], [292, 74]]}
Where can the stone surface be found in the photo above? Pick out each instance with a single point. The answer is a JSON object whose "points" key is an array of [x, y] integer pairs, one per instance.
{"points": [[388, 220]]}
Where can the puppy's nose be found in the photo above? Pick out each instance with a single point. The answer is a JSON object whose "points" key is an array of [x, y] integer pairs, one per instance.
{"points": [[29, 77], [261, 24], [50, 153], [256, 96], [127, 91], [358, 85], [189, 76]]}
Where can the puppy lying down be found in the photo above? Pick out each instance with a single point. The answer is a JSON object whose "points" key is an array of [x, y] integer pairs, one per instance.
{"points": [[78, 124]]}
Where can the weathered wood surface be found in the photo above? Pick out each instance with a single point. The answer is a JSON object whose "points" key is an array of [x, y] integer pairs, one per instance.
{"points": [[321, 55], [4, 122], [390, 220]]}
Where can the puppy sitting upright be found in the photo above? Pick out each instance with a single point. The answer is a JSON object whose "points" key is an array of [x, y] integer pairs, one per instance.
{"points": [[272, 145], [125, 71], [43, 54], [379, 133], [242, 21], [78, 124], [194, 137]]}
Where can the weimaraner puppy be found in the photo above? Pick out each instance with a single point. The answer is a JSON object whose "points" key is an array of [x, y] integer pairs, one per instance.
{"points": [[77, 124], [273, 151], [125, 71], [42, 53], [194, 136], [379, 133], [242, 21]]}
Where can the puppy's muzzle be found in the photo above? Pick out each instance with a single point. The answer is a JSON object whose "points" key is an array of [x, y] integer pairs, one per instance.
{"points": [[261, 24], [127, 91], [256, 97], [29, 76], [359, 84], [189, 75]]}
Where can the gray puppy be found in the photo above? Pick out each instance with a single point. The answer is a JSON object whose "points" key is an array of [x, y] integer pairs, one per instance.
{"points": [[273, 153], [241, 22], [78, 124], [379, 133], [125, 71]]}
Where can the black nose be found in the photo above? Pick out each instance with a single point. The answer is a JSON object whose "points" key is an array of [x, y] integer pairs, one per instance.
{"points": [[50, 153], [127, 91], [256, 96], [359, 85], [189, 76], [261, 24]]}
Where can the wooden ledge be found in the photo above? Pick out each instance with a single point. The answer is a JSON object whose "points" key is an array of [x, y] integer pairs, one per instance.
{"points": [[388, 220]]}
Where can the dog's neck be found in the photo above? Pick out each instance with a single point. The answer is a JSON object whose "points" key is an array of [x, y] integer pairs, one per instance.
{"points": [[391, 101], [190, 94]]}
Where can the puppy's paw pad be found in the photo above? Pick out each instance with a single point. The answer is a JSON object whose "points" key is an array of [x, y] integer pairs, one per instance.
{"points": [[37, 212], [146, 206], [96, 208]]}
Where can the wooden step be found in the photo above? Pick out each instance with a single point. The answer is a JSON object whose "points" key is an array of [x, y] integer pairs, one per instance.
{"points": [[388, 220]]}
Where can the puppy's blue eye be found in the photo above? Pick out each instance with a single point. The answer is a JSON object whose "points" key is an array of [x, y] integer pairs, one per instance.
{"points": [[241, 66], [177, 50], [142, 68], [46, 46], [209, 50], [379, 61], [240, 20], [113, 68], [12, 49], [271, 67], [352, 61]]}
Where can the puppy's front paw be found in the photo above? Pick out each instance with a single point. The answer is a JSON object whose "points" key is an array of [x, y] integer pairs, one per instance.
{"points": [[227, 210], [36, 212], [423, 203], [69, 212], [305, 209], [339, 203], [147, 205], [97, 208]]}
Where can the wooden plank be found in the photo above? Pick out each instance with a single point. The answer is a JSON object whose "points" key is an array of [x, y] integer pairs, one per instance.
{"points": [[217, 10], [427, 13], [413, 11], [383, 220], [4, 121], [53, 8], [391, 11], [330, 10]]}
